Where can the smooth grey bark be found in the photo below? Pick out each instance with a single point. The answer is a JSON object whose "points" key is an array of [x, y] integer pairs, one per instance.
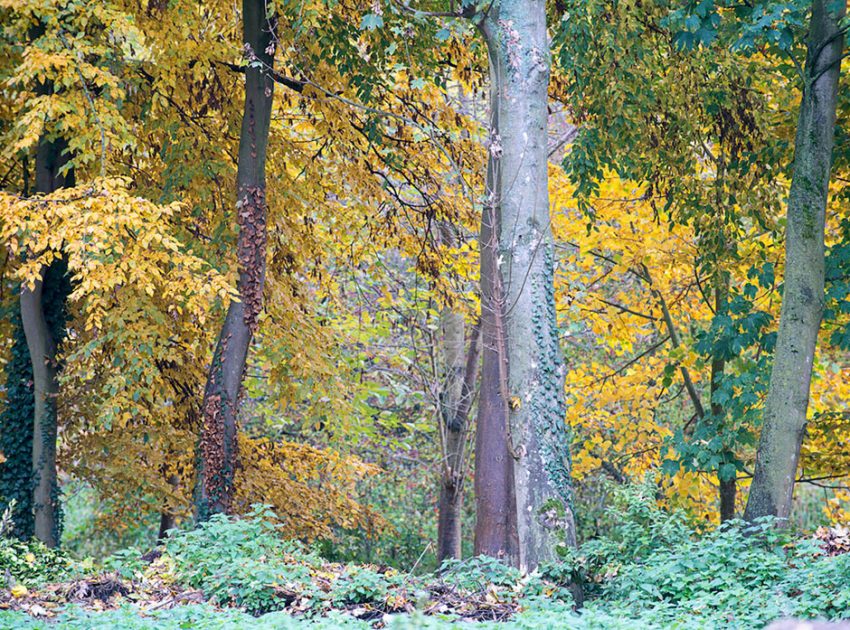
{"points": [[51, 157], [461, 359], [218, 449], [803, 297], [532, 388], [42, 350]]}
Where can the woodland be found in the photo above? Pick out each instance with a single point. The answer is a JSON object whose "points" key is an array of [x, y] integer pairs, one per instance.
{"points": [[424, 313]]}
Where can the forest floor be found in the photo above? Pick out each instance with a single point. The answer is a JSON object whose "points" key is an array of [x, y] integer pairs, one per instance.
{"points": [[651, 571]]}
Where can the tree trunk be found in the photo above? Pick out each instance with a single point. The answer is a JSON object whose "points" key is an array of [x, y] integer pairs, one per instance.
{"points": [[167, 518], [495, 503], [42, 349], [42, 315], [457, 393], [728, 493], [532, 391], [221, 396], [803, 298], [728, 488]]}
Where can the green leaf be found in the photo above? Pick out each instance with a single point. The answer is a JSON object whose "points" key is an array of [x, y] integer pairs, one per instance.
{"points": [[371, 21]]}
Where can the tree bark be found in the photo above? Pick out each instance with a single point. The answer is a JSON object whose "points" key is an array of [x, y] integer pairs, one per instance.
{"points": [[495, 503], [728, 488], [42, 349], [803, 298], [461, 375], [532, 372], [167, 517], [218, 448], [42, 315]]}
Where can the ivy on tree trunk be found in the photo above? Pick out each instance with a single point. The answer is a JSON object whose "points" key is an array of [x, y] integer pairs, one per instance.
{"points": [[43, 315], [218, 449], [521, 343]]}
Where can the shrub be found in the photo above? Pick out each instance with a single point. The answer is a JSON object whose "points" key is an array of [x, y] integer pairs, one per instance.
{"points": [[475, 574], [243, 561], [360, 585], [31, 563]]}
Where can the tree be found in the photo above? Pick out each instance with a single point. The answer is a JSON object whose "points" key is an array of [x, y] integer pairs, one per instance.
{"points": [[461, 354], [522, 399], [42, 317], [219, 450], [803, 297], [53, 116]]}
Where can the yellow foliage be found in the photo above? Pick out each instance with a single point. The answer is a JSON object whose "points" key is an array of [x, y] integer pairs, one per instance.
{"points": [[134, 359], [310, 489], [611, 280]]}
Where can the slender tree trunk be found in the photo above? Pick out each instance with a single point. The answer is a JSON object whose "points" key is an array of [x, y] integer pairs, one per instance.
{"points": [[495, 503], [42, 315], [728, 488], [167, 518], [532, 391], [803, 298], [42, 348], [218, 448], [460, 377]]}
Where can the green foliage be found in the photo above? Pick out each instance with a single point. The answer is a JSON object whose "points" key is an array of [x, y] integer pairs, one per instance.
{"points": [[478, 572], [746, 579], [31, 563], [742, 336], [127, 563], [775, 25], [653, 566], [650, 570], [197, 617], [360, 585], [406, 499], [636, 525], [837, 273], [84, 534], [241, 561]]}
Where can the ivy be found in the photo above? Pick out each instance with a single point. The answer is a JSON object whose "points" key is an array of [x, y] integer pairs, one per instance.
{"points": [[16, 419]]}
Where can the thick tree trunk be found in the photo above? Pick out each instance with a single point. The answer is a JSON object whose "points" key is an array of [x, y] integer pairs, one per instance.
{"points": [[532, 391], [803, 298], [221, 397], [42, 315], [457, 393]]}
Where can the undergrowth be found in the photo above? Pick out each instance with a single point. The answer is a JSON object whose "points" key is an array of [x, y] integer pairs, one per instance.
{"points": [[652, 570]]}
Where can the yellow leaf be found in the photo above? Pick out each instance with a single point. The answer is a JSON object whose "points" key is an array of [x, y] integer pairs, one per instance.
{"points": [[19, 590]]}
